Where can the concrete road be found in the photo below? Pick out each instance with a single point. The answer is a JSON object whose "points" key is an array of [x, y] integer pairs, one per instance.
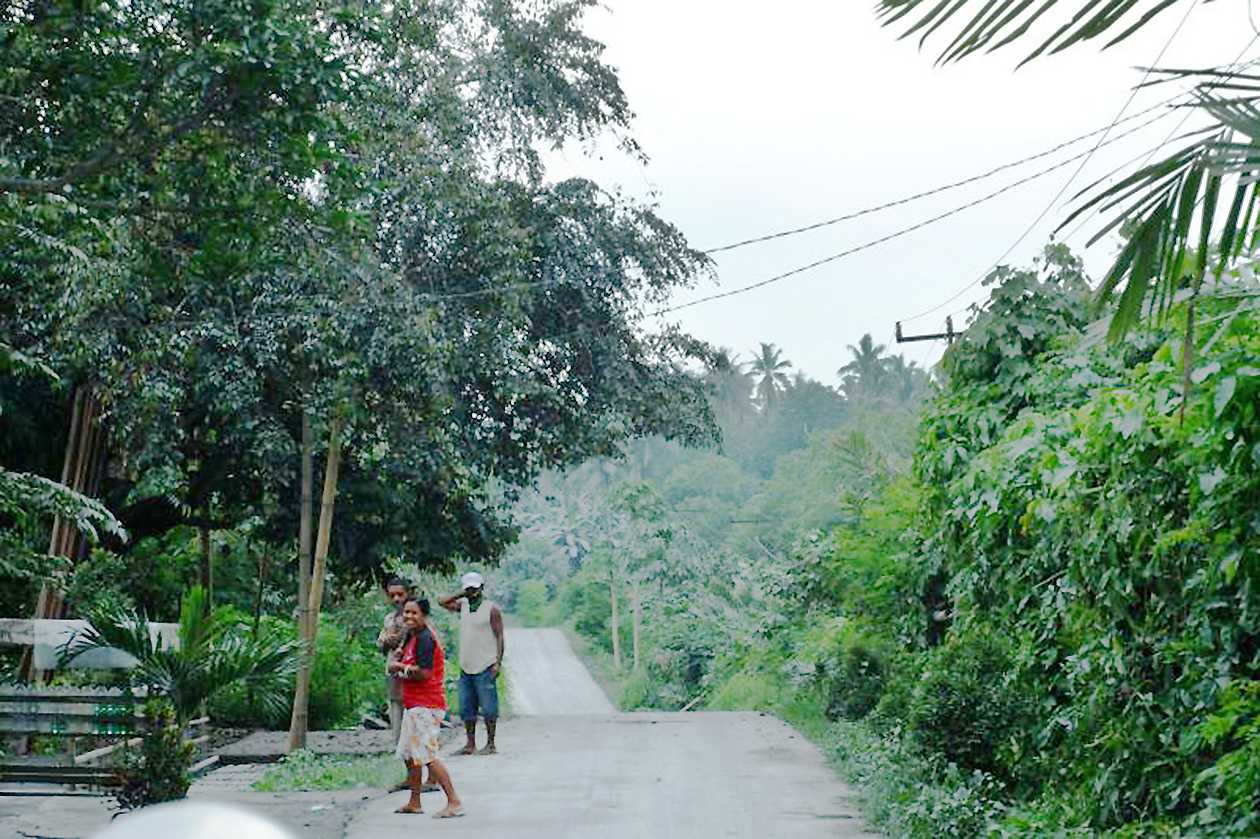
{"points": [[565, 773], [546, 678]]}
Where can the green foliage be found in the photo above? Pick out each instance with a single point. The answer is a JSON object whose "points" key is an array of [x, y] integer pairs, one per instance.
{"points": [[1231, 785], [347, 680], [533, 603], [908, 793], [214, 653], [306, 771], [158, 770], [968, 705]]}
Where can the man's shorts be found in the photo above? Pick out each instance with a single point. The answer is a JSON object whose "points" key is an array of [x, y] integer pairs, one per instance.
{"points": [[421, 728], [478, 693]]}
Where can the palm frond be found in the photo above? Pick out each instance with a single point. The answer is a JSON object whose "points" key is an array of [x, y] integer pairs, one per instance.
{"points": [[988, 25], [1176, 207], [214, 652]]}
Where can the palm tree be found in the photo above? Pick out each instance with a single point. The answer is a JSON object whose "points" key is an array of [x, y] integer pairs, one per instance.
{"points": [[732, 384], [1171, 207], [866, 373], [767, 369], [905, 379], [215, 652]]}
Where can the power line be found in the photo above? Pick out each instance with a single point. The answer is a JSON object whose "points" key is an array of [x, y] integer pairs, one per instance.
{"points": [[905, 230], [1191, 109], [1115, 121], [484, 292], [935, 190]]}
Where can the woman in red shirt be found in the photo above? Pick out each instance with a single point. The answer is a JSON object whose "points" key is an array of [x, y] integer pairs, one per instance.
{"points": [[421, 665]]}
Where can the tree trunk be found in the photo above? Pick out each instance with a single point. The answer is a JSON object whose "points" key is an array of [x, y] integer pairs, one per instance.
{"points": [[82, 466], [207, 566], [637, 618], [263, 567], [304, 526], [616, 620], [302, 691]]}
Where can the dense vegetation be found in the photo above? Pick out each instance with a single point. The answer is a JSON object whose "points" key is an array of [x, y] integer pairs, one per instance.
{"points": [[1028, 605], [244, 245]]}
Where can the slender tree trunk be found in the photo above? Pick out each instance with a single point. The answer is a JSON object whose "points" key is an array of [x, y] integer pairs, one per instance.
{"points": [[82, 466], [207, 566], [304, 526], [616, 619], [264, 566], [302, 691], [637, 618]]}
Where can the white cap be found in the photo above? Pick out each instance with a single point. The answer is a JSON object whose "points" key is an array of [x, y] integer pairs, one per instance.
{"points": [[471, 580]]}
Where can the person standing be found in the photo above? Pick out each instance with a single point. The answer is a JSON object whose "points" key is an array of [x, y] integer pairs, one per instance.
{"points": [[388, 640], [421, 667], [480, 659]]}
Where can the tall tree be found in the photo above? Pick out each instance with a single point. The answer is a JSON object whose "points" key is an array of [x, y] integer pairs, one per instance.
{"points": [[864, 375], [767, 368], [732, 385]]}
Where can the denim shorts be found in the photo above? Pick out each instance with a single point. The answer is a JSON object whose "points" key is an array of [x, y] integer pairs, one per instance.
{"points": [[478, 692]]}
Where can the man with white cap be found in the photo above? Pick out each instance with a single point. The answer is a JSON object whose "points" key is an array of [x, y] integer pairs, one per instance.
{"points": [[480, 658]]}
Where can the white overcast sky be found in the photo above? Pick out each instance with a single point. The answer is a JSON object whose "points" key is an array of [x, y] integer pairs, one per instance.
{"points": [[759, 117]]}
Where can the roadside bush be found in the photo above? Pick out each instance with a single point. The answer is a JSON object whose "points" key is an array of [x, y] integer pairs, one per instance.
{"points": [[347, 680], [159, 770], [533, 603], [967, 705]]}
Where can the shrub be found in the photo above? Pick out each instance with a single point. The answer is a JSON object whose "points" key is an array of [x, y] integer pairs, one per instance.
{"points": [[159, 770], [967, 705], [533, 603], [347, 680]]}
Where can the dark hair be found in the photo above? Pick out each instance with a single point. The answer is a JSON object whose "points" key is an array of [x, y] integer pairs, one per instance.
{"points": [[398, 581], [422, 602]]}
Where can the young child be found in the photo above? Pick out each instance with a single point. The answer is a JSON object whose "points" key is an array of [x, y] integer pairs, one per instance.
{"points": [[421, 666]]}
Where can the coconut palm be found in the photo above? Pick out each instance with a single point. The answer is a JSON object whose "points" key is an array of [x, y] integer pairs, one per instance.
{"points": [[732, 384], [215, 652], [767, 369], [866, 373], [1171, 208]]}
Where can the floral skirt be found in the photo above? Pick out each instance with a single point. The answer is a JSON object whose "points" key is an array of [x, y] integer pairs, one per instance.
{"points": [[419, 739]]}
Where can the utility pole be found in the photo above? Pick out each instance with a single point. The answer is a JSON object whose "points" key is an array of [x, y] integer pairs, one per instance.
{"points": [[948, 335]]}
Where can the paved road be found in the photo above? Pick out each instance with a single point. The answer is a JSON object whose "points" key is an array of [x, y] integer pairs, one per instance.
{"points": [[562, 772], [568, 767], [546, 678]]}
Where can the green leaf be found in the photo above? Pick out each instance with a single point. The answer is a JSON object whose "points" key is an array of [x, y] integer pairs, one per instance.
{"points": [[1224, 393]]}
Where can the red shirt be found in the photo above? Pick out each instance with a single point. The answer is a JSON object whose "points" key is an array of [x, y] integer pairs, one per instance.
{"points": [[424, 651]]}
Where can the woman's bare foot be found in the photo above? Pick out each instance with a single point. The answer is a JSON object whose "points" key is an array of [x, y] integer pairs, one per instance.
{"points": [[452, 811], [469, 749], [410, 809], [489, 750]]}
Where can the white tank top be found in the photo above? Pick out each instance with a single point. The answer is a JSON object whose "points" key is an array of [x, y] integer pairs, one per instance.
{"points": [[477, 646]]}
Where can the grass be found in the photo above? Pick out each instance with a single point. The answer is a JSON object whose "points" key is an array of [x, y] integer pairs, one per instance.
{"points": [[305, 771]]}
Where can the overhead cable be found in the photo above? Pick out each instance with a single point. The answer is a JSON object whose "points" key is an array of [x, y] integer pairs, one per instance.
{"points": [[905, 230]]}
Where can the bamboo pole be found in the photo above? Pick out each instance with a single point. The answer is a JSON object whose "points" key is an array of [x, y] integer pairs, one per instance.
{"points": [[302, 691], [304, 525]]}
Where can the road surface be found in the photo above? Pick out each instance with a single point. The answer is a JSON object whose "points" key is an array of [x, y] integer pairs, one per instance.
{"points": [[570, 767], [545, 678]]}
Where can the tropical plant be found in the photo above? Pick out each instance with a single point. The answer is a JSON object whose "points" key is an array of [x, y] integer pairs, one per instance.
{"points": [[767, 369], [214, 652], [866, 373], [1173, 207], [731, 384]]}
